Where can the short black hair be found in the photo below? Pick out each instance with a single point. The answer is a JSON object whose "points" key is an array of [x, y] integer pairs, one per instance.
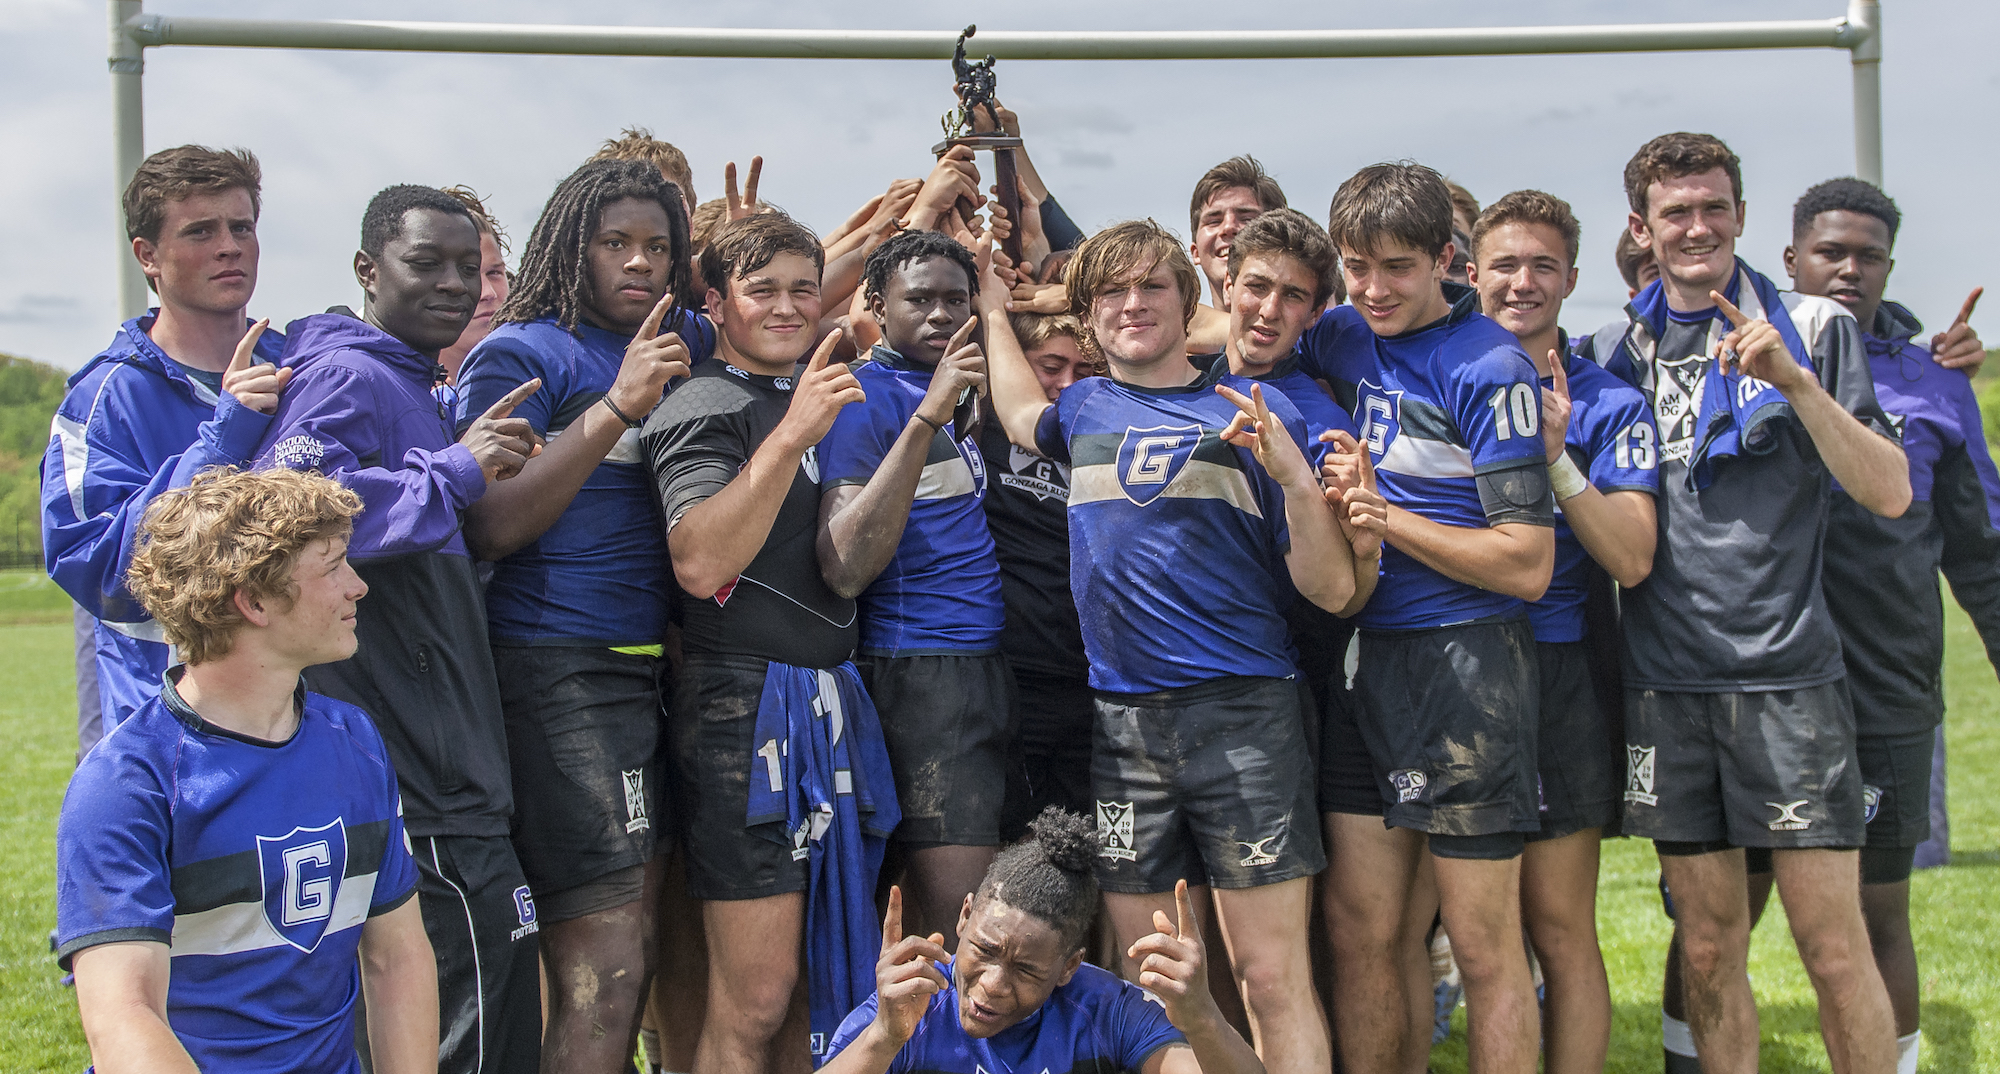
{"points": [[1850, 194], [1049, 875], [383, 219], [910, 247]]}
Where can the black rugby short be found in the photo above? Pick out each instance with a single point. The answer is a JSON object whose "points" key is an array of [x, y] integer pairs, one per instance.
{"points": [[1348, 781], [712, 746], [1450, 717], [1048, 759], [946, 720], [583, 731], [1579, 771], [1210, 783], [1773, 768]]}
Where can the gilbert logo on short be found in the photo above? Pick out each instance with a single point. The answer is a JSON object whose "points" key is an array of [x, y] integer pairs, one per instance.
{"points": [[301, 872], [1639, 774], [1788, 816], [1149, 459], [524, 912], [1409, 784], [635, 800], [1259, 852], [1114, 830], [1871, 803]]}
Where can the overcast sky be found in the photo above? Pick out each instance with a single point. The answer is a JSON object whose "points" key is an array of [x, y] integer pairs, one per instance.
{"points": [[1114, 140]]}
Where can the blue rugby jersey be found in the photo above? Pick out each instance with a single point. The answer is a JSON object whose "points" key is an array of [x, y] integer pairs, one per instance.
{"points": [[940, 592], [257, 862], [1177, 540], [1451, 413], [1094, 1024], [599, 575], [1613, 440]]}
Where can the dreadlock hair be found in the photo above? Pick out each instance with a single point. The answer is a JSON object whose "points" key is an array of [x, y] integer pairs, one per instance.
{"points": [[383, 219], [1049, 875], [554, 280], [912, 247], [1851, 195]]}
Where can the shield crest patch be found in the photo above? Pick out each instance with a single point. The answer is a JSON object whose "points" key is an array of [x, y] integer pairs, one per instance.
{"points": [[1149, 459], [301, 872]]}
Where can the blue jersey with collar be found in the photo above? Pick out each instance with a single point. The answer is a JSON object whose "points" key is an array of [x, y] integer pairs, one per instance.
{"points": [[1451, 414], [1177, 539], [599, 575], [1094, 1024], [1613, 440], [257, 862], [132, 425], [940, 592]]}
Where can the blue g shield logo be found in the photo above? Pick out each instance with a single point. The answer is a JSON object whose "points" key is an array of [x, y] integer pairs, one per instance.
{"points": [[301, 872], [1150, 459]]}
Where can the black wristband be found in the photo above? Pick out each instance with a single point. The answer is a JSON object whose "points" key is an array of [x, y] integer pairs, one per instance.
{"points": [[929, 422], [621, 415]]}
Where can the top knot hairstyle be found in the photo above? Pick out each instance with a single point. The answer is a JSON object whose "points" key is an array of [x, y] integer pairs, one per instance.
{"points": [[913, 247], [1050, 875], [553, 281], [1849, 195]]}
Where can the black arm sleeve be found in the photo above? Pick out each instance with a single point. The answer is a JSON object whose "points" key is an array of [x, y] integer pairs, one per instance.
{"points": [[1062, 231], [1517, 494]]}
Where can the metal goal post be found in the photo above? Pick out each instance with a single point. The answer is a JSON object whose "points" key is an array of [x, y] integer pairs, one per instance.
{"points": [[133, 30]]}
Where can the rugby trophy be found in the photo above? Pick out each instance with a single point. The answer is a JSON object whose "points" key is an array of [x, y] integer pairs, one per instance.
{"points": [[975, 87]]}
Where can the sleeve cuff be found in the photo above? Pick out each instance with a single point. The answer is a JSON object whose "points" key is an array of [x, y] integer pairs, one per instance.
{"points": [[465, 478], [238, 429], [382, 908], [68, 951]]}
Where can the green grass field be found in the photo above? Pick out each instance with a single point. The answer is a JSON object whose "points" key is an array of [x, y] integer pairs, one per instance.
{"points": [[1953, 908]]}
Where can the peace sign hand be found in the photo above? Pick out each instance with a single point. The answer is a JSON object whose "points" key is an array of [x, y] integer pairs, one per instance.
{"points": [[1556, 409], [907, 974], [745, 204], [1958, 347], [1266, 437], [1172, 964], [257, 385], [1756, 349]]}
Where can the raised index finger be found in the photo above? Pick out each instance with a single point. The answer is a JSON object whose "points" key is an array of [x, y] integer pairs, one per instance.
{"points": [[1971, 300], [246, 348], [962, 336], [823, 353], [652, 326], [1183, 908], [892, 922], [750, 181], [1729, 309], [1562, 377], [506, 403]]}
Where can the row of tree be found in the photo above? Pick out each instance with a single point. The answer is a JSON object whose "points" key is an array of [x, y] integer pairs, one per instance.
{"points": [[29, 394]]}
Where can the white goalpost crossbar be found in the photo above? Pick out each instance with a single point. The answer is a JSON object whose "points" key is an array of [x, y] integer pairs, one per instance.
{"points": [[133, 31]]}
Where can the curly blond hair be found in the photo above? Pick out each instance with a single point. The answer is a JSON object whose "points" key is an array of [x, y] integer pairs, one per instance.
{"points": [[230, 531]]}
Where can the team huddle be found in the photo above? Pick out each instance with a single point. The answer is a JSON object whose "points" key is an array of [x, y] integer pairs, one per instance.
{"points": [[869, 651]]}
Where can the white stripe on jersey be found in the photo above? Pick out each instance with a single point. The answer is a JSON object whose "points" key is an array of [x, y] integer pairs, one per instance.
{"points": [[1416, 456], [943, 480], [1197, 480], [242, 926]]}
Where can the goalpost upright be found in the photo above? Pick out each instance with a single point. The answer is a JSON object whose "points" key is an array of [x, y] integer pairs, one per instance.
{"points": [[133, 31]]}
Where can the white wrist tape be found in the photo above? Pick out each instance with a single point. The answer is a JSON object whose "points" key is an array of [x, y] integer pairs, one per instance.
{"points": [[1565, 478]]}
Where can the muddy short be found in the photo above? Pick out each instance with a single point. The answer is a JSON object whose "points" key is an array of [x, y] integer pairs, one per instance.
{"points": [[1580, 771], [583, 732], [946, 720], [1450, 717], [711, 752], [1774, 768], [1210, 783]]}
